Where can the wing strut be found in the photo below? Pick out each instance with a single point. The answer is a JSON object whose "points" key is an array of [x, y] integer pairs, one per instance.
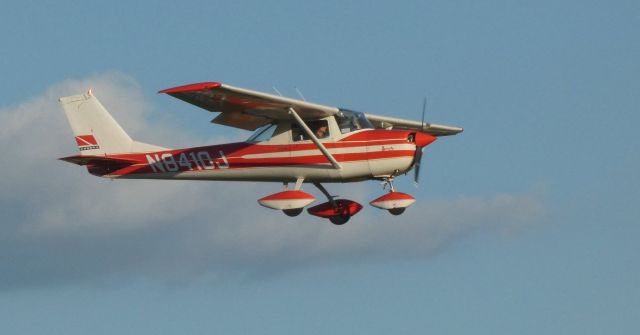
{"points": [[313, 138]]}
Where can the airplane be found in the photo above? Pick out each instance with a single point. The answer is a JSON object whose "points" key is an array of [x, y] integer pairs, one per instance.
{"points": [[293, 142]]}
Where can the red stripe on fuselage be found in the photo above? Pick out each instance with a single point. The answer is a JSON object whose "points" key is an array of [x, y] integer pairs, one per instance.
{"points": [[232, 155]]}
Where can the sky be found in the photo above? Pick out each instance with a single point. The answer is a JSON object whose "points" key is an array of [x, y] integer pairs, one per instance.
{"points": [[525, 223]]}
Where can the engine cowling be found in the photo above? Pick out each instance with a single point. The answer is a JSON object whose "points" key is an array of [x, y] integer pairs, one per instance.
{"points": [[287, 200]]}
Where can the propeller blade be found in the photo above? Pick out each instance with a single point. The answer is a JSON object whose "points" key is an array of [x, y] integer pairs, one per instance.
{"points": [[418, 161], [424, 109]]}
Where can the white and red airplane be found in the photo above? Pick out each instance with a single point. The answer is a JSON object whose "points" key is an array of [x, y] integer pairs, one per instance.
{"points": [[295, 141]]}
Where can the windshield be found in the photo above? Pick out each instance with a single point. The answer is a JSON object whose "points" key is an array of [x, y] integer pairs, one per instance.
{"points": [[263, 133], [349, 121]]}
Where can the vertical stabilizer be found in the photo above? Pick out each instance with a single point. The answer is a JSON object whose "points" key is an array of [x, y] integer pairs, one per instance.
{"points": [[95, 130]]}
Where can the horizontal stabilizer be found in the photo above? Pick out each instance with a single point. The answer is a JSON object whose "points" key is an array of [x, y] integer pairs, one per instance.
{"points": [[98, 160]]}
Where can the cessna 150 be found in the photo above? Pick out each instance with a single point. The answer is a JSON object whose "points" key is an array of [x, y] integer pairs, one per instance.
{"points": [[295, 141]]}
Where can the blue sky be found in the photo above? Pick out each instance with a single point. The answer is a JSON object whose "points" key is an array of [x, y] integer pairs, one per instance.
{"points": [[527, 222]]}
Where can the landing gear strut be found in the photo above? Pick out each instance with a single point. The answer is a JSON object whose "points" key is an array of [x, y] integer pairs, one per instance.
{"points": [[388, 182], [326, 193]]}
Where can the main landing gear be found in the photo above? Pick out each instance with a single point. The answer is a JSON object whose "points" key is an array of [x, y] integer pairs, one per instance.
{"points": [[337, 211]]}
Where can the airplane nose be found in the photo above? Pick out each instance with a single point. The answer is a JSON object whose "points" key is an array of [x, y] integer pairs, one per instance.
{"points": [[422, 139]]}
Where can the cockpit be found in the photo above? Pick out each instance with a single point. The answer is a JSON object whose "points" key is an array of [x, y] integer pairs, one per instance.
{"points": [[346, 121], [349, 121]]}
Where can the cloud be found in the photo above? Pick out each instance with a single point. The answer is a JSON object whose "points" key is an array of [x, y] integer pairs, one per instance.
{"points": [[62, 226]]}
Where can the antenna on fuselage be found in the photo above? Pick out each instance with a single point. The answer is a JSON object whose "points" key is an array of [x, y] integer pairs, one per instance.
{"points": [[275, 89]]}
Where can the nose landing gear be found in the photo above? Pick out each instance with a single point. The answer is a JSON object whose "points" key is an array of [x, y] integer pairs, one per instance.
{"points": [[394, 202]]}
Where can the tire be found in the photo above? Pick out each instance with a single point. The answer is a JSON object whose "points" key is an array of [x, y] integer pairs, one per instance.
{"points": [[397, 211], [339, 219], [292, 212]]}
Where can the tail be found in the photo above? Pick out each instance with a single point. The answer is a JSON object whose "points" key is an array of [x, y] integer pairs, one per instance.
{"points": [[95, 130]]}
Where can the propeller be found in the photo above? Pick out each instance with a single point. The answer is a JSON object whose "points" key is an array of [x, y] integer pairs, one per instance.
{"points": [[418, 156]]}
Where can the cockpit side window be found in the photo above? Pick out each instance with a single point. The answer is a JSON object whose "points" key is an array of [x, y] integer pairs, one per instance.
{"points": [[319, 127], [349, 121], [263, 133]]}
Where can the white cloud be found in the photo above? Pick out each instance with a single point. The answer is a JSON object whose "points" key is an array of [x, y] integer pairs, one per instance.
{"points": [[64, 226]]}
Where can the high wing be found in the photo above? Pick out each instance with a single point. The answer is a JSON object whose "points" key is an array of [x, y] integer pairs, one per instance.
{"points": [[246, 109], [385, 122]]}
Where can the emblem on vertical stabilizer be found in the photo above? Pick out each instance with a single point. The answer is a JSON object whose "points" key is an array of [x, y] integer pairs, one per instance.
{"points": [[87, 142]]}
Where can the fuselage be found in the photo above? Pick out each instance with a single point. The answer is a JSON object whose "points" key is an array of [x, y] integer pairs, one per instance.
{"points": [[363, 154]]}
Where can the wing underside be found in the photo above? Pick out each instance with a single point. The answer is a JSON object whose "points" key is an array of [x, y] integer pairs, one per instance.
{"points": [[245, 109]]}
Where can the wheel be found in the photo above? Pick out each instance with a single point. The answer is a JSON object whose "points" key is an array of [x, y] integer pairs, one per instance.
{"points": [[292, 212], [397, 211], [339, 219]]}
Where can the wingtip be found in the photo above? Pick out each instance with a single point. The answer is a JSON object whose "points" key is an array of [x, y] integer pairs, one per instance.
{"points": [[192, 87]]}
